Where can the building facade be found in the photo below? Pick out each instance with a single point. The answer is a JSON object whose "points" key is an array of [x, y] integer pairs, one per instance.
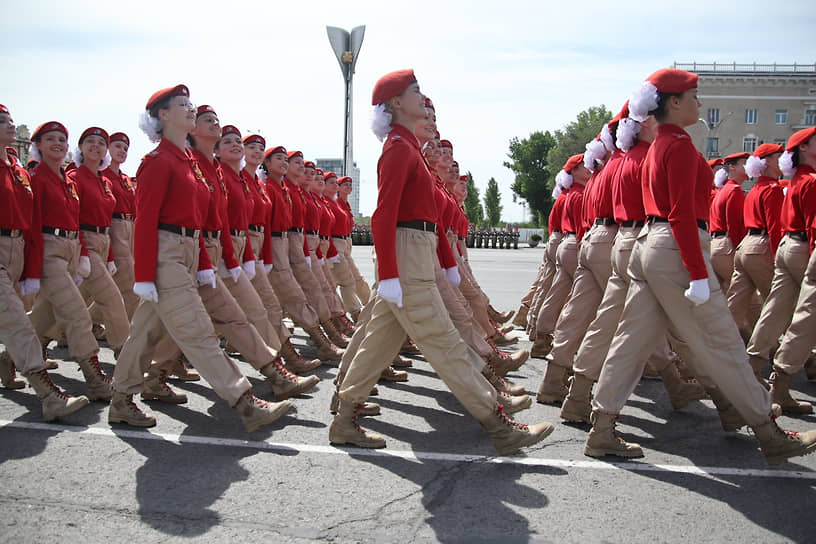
{"points": [[336, 165], [745, 105]]}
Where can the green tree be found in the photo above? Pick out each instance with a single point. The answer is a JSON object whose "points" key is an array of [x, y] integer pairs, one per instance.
{"points": [[492, 203], [573, 138], [528, 161], [473, 208]]}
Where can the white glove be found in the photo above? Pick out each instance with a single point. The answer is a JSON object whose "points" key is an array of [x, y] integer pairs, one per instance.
{"points": [[84, 267], [698, 291], [78, 280], [268, 268], [335, 259], [249, 269], [452, 274], [206, 277], [235, 273], [391, 290], [146, 290], [112, 268], [321, 260], [308, 260], [29, 286]]}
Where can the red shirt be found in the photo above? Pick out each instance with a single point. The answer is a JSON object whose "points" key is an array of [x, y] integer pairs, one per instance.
{"points": [[281, 209], [677, 186], [345, 207], [239, 206], [298, 204], [554, 221], [405, 193], [96, 200], [443, 248], [123, 189], [599, 203], [313, 211], [171, 190], [327, 222], [572, 219], [217, 214], [261, 211], [727, 212], [627, 195], [762, 207], [16, 196], [799, 208]]}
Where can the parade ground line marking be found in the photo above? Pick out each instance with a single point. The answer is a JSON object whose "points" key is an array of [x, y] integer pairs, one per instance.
{"points": [[284, 447]]}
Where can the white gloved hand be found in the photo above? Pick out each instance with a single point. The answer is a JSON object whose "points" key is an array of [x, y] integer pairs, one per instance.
{"points": [[452, 274], [321, 260], [235, 273], [146, 290], [391, 290], [78, 280], [335, 259], [206, 277], [84, 267], [29, 286], [308, 260], [249, 269], [112, 268], [698, 291], [268, 268]]}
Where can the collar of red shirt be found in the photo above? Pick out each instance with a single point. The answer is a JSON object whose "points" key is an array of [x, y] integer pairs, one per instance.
{"points": [[170, 147], [403, 133]]}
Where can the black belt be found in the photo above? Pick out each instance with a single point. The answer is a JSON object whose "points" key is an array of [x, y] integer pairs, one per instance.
{"points": [[606, 221], [256, 228], [426, 226], [276, 233], [341, 237], [296, 229], [573, 233], [799, 235], [127, 216], [719, 234], [556, 231], [211, 233], [632, 223], [92, 228], [13, 233], [461, 237], [312, 232], [654, 219], [237, 233], [757, 231], [70, 234], [325, 237], [184, 231]]}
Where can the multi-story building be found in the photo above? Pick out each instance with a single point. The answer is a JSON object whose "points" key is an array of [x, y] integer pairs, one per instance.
{"points": [[745, 105], [336, 165]]}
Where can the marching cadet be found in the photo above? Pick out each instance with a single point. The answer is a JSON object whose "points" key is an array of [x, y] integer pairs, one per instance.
{"points": [[22, 346], [727, 218], [339, 237], [671, 253], [344, 188], [407, 299]]}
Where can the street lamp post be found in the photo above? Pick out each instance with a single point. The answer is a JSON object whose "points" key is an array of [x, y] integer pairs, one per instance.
{"points": [[346, 46]]}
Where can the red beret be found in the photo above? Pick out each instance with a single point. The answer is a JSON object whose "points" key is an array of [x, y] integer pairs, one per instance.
{"points": [[799, 138], [572, 162], [463, 177], [95, 131], [715, 162], [670, 80], [767, 149], [622, 114], [294, 154], [429, 104], [445, 143], [120, 137], [273, 150], [309, 164], [4, 109], [344, 179], [255, 139], [391, 85], [733, 157], [230, 129], [328, 175], [319, 172], [158, 96], [454, 163], [205, 109], [48, 127]]}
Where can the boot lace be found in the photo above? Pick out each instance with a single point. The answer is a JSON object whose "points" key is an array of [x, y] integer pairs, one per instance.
{"points": [[95, 365], [51, 385], [509, 422], [282, 370]]}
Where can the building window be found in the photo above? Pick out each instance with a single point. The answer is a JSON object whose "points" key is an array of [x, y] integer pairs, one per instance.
{"points": [[779, 141], [810, 117], [751, 116], [713, 117], [712, 146], [781, 117], [749, 143]]}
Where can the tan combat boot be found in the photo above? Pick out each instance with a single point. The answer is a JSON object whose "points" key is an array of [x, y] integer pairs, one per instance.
{"points": [[391, 375], [542, 346], [294, 362], [342, 326], [509, 436], [155, 388], [500, 339], [99, 385], [757, 365], [409, 348], [325, 350], [345, 429], [255, 413], [181, 371], [499, 317], [730, 419], [400, 362], [521, 316], [50, 364], [368, 408], [123, 410], [500, 384], [8, 372], [577, 405], [285, 384], [504, 363], [681, 393], [55, 403], [602, 439], [513, 404], [780, 394], [333, 334], [778, 445], [553, 387]]}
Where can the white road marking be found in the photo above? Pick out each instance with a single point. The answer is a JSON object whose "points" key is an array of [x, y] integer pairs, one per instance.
{"points": [[285, 447]]}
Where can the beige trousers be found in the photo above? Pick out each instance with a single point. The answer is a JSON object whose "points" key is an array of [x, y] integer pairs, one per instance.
{"points": [[304, 276], [566, 264], [800, 338], [290, 295], [318, 269], [549, 273], [722, 260], [121, 236], [343, 277], [360, 285], [753, 272], [260, 282]]}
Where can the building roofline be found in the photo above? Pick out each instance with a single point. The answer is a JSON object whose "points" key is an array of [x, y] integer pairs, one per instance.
{"points": [[747, 69]]}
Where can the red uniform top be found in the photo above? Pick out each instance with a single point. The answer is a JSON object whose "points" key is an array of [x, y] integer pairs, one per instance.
{"points": [[762, 207], [217, 215], [598, 203], [239, 206], [727, 212], [444, 252], [799, 207], [16, 196], [345, 207], [298, 204], [627, 195], [312, 208], [586, 198], [281, 205], [327, 222], [677, 186], [554, 221], [96, 200], [572, 219], [339, 224], [171, 190], [405, 193], [123, 189], [261, 211]]}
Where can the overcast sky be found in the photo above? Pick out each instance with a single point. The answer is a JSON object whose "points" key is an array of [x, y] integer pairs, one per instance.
{"points": [[495, 70]]}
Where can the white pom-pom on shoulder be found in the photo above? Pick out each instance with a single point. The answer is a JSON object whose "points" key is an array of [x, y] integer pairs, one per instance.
{"points": [[106, 161], [380, 121], [720, 178], [556, 191], [564, 179], [786, 163], [643, 100], [76, 156], [34, 152], [606, 138], [594, 154], [150, 126], [261, 173], [628, 129], [754, 166]]}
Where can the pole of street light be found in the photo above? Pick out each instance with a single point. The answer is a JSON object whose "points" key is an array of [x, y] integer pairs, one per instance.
{"points": [[346, 46]]}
